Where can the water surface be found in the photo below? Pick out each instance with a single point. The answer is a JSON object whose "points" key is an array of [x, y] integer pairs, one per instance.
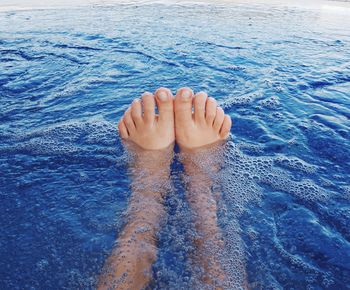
{"points": [[67, 75]]}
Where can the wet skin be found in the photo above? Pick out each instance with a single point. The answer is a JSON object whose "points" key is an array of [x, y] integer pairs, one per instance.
{"points": [[194, 122]]}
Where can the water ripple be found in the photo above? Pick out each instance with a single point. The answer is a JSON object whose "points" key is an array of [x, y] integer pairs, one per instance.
{"points": [[67, 75]]}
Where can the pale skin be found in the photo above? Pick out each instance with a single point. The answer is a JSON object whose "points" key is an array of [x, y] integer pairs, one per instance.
{"points": [[193, 121]]}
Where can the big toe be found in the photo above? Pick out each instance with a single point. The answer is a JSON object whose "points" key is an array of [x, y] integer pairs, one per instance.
{"points": [[165, 104], [183, 105]]}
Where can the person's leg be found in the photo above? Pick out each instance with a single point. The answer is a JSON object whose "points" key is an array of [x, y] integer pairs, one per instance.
{"points": [[203, 201], [199, 134], [150, 140]]}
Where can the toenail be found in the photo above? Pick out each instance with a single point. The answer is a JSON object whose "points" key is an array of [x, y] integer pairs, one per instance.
{"points": [[186, 94], [163, 96]]}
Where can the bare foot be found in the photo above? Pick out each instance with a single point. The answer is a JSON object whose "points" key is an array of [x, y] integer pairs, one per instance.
{"points": [[208, 123], [141, 125]]}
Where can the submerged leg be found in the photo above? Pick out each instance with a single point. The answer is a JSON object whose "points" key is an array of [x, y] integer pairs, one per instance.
{"points": [[129, 265], [207, 259], [151, 148], [199, 135]]}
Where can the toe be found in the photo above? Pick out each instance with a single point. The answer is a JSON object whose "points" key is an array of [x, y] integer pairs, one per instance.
{"points": [[128, 121], [136, 112], [183, 105], [210, 110], [164, 99], [226, 127], [148, 104], [199, 106], [122, 129], [219, 119]]}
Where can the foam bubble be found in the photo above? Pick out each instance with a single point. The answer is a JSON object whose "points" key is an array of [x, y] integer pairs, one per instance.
{"points": [[241, 100], [346, 190], [91, 138], [270, 103], [295, 163]]}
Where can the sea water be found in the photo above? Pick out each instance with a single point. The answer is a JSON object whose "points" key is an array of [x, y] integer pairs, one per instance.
{"points": [[281, 72]]}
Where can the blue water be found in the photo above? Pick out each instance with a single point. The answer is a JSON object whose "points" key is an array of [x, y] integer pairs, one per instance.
{"points": [[282, 73]]}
